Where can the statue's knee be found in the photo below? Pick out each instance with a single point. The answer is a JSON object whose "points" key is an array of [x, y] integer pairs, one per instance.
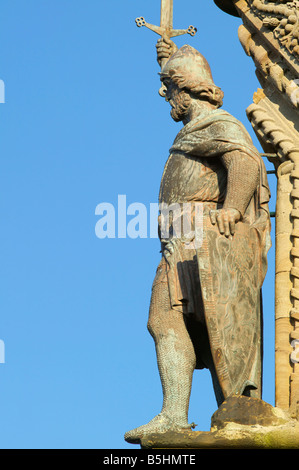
{"points": [[159, 308], [153, 326], [149, 327], [158, 325]]}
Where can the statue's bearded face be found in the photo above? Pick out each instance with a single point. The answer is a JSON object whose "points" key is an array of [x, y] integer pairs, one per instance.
{"points": [[179, 99]]}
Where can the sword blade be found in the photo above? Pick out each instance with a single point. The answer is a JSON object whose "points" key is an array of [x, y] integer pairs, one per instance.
{"points": [[167, 14]]}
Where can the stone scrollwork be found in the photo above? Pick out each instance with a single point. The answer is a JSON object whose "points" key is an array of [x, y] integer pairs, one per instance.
{"points": [[269, 35]]}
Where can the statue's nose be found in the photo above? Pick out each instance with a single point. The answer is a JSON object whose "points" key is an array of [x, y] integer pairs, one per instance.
{"points": [[162, 91]]}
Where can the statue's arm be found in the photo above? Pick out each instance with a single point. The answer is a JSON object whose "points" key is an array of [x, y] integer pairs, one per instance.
{"points": [[242, 181]]}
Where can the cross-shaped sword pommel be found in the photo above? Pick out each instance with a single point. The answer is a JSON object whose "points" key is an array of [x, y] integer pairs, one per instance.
{"points": [[166, 26]]}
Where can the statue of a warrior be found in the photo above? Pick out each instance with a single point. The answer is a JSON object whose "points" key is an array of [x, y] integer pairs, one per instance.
{"points": [[205, 309]]}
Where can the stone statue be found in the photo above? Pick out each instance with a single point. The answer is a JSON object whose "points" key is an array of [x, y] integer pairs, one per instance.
{"points": [[205, 309]]}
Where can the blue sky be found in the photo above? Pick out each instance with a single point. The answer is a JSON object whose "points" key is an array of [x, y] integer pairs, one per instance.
{"points": [[83, 123]]}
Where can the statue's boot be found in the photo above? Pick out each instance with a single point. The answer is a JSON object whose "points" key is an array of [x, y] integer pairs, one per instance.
{"points": [[160, 423]]}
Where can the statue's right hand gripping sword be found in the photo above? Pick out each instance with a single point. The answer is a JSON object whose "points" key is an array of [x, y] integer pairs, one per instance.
{"points": [[166, 25]]}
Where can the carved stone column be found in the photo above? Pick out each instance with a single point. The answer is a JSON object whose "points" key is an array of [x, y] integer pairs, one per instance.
{"points": [[283, 285]]}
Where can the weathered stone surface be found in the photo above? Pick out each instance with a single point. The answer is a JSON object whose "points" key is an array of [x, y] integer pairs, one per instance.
{"points": [[239, 423], [247, 411], [233, 436]]}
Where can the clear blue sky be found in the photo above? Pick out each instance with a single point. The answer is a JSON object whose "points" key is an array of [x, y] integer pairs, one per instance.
{"points": [[82, 124]]}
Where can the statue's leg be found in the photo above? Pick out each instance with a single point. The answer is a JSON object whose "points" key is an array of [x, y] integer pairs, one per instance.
{"points": [[176, 362], [175, 354], [200, 339]]}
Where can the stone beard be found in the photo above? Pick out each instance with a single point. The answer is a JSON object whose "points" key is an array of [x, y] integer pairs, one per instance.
{"points": [[181, 107]]}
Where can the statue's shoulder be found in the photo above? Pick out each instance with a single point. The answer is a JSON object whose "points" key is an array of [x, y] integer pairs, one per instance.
{"points": [[223, 115], [231, 122]]}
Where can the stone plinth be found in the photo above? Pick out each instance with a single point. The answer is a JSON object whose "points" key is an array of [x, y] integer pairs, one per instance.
{"points": [[240, 423], [231, 437]]}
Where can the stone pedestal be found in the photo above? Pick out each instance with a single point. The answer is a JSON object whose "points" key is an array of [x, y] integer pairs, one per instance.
{"points": [[240, 423]]}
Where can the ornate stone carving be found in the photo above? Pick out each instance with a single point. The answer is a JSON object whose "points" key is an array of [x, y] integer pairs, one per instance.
{"points": [[276, 67], [283, 20]]}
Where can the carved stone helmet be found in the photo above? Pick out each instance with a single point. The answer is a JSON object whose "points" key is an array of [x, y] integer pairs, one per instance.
{"points": [[189, 70]]}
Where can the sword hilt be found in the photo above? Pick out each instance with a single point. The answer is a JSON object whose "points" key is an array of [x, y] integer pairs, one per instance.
{"points": [[170, 33], [140, 21]]}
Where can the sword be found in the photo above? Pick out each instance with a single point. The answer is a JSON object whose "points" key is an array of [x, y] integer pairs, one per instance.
{"points": [[166, 24]]}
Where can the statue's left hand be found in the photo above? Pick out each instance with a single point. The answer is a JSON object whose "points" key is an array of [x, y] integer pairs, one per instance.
{"points": [[226, 220]]}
